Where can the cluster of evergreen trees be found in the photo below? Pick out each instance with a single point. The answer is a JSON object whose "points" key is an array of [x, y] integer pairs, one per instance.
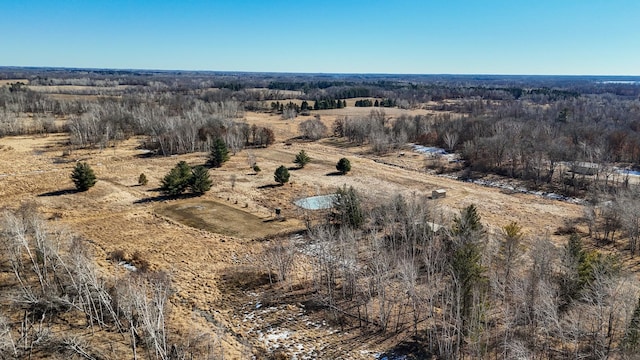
{"points": [[329, 103], [183, 177], [382, 103], [279, 107]]}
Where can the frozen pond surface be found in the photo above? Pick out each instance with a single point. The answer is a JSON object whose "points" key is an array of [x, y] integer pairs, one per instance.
{"points": [[628, 172], [429, 150], [435, 151], [316, 202]]}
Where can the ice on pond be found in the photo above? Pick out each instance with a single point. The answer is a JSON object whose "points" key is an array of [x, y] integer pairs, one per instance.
{"points": [[316, 202], [429, 150]]}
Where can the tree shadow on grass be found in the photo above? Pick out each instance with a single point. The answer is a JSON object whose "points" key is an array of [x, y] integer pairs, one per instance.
{"points": [[270, 186], [60, 192], [164, 198], [408, 349], [334, 173], [294, 168]]}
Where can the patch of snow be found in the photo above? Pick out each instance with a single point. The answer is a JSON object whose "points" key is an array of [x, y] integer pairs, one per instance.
{"points": [[127, 266], [628, 172], [522, 190]]}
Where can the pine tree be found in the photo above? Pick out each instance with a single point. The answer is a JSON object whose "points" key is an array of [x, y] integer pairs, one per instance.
{"points": [[200, 181], [468, 222], [302, 159], [468, 273], [466, 260], [281, 175], [219, 153], [343, 166], [177, 180], [83, 176], [346, 208]]}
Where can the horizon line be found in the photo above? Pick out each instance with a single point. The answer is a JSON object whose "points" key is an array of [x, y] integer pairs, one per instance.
{"points": [[306, 73]]}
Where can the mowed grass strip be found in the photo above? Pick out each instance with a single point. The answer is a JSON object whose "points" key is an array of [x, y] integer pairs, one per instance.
{"points": [[222, 219]]}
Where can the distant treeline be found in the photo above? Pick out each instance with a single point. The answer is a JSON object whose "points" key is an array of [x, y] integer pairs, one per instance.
{"points": [[382, 103]]}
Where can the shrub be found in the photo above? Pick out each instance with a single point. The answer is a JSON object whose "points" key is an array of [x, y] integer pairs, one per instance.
{"points": [[83, 176], [281, 175], [313, 129], [256, 168], [142, 180], [117, 255], [343, 166], [302, 159]]}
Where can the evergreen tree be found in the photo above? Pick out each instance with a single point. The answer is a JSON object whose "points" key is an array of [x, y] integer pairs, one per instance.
{"points": [[468, 222], [219, 153], [376, 104], [83, 176], [573, 278], [302, 159], [281, 175], [200, 181], [468, 272], [343, 166], [346, 208], [466, 260], [580, 267], [142, 180], [177, 180]]}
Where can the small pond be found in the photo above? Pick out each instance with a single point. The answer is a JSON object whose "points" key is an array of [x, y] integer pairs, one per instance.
{"points": [[316, 202]]}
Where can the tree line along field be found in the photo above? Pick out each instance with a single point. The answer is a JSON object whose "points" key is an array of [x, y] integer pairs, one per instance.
{"points": [[156, 267]]}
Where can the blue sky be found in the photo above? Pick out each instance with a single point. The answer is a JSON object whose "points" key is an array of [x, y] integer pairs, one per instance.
{"points": [[563, 37]]}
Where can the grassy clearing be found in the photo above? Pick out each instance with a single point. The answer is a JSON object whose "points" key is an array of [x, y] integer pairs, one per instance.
{"points": [[222, 219]]}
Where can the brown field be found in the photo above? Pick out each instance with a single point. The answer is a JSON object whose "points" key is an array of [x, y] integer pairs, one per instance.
{"points": [[70, 89], [12, 81], [212, 245]]}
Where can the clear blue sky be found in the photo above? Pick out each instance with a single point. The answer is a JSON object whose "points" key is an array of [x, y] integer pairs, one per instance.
{"points": [[573, 37]]}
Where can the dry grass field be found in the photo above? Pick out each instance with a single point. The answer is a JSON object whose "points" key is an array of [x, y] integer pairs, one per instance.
{"points": [[212, 246]]}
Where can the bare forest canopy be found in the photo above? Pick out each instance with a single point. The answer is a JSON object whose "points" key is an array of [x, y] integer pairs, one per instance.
{"points": [[524, 127]]}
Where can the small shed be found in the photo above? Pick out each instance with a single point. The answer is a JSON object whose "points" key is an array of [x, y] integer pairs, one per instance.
{"points": [[438, 194]]}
